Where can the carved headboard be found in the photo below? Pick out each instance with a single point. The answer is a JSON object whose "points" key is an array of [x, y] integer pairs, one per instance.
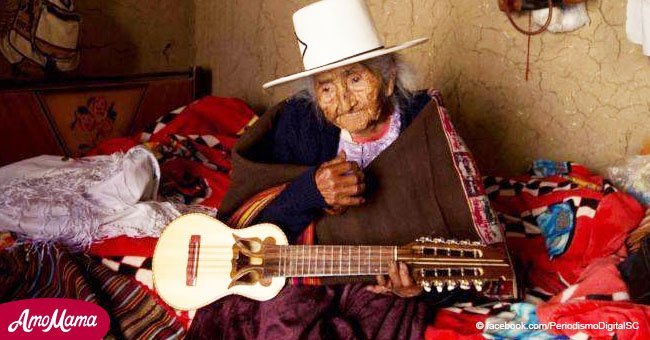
{"points": [[69, 118]]}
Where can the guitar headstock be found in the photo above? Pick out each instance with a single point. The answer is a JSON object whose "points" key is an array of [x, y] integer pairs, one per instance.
{"points": [[440, 264]]}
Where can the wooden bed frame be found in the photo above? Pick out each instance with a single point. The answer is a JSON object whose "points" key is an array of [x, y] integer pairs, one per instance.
{"points": [[70, 117]]}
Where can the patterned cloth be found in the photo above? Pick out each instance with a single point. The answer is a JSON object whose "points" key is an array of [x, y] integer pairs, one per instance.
{"points": [[556, 225], [78, 201], [599, 297], [192, 147], [49, 271], [485, 222]]}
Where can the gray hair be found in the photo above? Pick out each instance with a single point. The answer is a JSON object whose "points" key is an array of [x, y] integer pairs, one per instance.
{"points": [[382, 66]]}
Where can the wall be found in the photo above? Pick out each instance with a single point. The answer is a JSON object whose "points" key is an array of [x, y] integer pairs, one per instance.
{"points": [[588, 99], [122, 37]]}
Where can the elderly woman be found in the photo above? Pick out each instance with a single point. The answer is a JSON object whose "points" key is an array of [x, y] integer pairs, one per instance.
{"points": [[355, 157]]}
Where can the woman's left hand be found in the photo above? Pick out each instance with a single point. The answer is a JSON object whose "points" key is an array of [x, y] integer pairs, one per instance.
{"points": [[399, 282]]}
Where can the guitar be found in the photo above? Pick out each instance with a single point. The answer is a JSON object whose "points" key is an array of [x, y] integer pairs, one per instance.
{"points": [[199, 260]]}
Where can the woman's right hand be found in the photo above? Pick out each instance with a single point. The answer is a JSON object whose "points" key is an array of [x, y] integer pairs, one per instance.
{"points": [[340, 183]]}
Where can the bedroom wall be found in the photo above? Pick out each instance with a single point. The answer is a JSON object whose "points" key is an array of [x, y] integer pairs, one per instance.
{"points": [[587, 100], [122, 37]]}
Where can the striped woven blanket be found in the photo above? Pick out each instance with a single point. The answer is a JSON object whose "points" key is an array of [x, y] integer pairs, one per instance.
{"points": [[53, 272]]}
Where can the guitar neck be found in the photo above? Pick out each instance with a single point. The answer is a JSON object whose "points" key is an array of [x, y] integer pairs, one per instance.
{"points": [[325, 260]]}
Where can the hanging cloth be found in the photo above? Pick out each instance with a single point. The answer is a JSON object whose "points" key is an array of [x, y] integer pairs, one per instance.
{"points": [[638, 23]]}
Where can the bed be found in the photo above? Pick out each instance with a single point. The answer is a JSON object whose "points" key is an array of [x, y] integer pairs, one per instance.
{"points": [[191, 140], [103, 116]]}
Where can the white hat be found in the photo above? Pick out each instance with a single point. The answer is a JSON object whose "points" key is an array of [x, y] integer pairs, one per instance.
{"points": [[334, 33]]}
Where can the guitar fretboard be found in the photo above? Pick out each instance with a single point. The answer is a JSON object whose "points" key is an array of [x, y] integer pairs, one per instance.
{"points": [[323, 260]]}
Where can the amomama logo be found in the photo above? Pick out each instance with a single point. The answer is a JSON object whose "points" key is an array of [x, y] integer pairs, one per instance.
{"points": [[52, 319]]}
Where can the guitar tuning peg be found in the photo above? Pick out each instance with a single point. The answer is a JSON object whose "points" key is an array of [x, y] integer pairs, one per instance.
{"points": [[426, 285], [478, 284], [451, 285], [439, 286], [464, 285]]}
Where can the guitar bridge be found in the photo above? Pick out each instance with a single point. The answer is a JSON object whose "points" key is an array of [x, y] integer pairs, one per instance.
{"points": [[192, 260]]}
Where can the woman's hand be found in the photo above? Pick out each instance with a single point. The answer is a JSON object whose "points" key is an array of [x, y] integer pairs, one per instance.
{"points": [[399, 282], [341, 183]]}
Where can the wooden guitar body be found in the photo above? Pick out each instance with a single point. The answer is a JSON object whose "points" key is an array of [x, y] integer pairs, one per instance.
{"points": [[173, 258]]}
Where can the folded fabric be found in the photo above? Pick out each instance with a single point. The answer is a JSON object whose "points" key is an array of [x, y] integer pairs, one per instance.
{"points": [[597, 306], [560, 218], [52, 271], [78, 201], [638, 23]]}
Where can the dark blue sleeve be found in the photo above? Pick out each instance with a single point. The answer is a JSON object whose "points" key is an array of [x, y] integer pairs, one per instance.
{"points": [[298, 139], [296, 206]]}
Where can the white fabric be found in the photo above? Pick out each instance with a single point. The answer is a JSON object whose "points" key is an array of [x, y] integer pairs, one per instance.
{"points": [[334, 33], [566, 19], [364, 153], [638, 23], [78, 201]]}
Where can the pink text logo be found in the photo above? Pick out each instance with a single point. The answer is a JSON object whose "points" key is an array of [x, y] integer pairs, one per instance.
{"points": [[52, 319]]}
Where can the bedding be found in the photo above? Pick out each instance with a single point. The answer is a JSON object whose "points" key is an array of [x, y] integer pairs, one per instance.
{"points": [[77, 201], [191, 146], [51, 271], [564, 225]]}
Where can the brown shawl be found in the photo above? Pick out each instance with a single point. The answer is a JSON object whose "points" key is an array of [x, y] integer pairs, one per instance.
{"points": [[414, 187]]}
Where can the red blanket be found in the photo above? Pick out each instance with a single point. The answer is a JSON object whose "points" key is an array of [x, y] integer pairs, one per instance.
{"points": [[564, 229]]}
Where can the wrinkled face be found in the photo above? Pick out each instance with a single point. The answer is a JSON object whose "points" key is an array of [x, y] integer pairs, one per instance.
{"points": [[349, 96]]}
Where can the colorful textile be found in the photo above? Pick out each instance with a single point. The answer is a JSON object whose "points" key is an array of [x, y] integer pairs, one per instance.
{"points": [[78, 201], [28, 272], [192, 145], [578, 216], [459, 321], [598, 297], [483, 217], [186, 146], [245, 215], [556, 225]]}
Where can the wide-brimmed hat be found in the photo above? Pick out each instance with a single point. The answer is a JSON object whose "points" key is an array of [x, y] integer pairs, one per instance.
{"points": [[334, 33]]}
